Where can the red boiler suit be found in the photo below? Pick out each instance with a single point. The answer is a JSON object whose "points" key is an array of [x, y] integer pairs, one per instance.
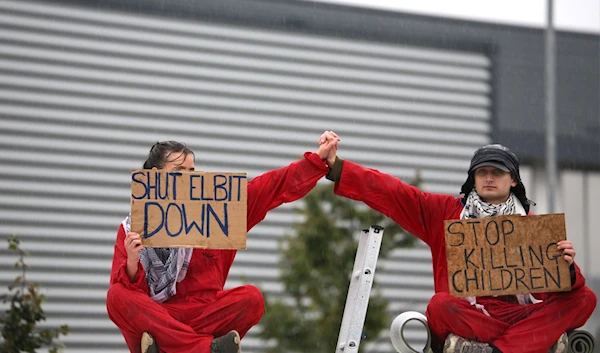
{"points": [[510, 327], [201, 310]]}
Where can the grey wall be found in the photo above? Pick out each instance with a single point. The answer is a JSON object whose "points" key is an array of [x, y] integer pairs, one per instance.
{"points": [[517, 52]]}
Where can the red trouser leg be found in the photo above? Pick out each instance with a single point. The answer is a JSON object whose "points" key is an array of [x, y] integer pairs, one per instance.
{"points": [[448, 314], [237, 309], [183, 326], [543, 323], [512, 328], [135, 313]]}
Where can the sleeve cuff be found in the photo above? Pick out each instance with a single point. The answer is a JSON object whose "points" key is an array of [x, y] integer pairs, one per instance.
{"points": [[335, 172], [315, 160], [138, 280]]}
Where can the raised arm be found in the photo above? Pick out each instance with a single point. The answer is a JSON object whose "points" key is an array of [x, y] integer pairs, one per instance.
{"points": [[414, 210], [287, 184]]}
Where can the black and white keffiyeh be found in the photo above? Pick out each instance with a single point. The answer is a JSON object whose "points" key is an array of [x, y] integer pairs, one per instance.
{"points": [[475, 207], [164, 267]]}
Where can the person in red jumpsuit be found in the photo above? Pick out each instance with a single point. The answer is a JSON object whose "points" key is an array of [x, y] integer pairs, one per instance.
{"points": [[493, 187], [174, 298]]}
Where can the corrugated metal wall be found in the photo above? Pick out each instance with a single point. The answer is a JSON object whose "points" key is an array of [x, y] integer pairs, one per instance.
{"points": [[84, 93]]}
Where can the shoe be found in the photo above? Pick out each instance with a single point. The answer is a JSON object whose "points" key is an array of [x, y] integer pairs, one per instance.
{"points": [[149, 345], [562, 345], [457, 344], [229, 343]]}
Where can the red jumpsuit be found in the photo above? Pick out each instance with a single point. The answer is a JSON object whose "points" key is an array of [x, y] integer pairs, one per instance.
{"points": [[201, 309], [511, 327]]}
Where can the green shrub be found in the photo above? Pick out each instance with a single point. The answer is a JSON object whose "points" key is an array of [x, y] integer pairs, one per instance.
{"points": [[19, 321]]}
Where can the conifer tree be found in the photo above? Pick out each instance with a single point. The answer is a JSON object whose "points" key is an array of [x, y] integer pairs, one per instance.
{"points": [[316, 264]]}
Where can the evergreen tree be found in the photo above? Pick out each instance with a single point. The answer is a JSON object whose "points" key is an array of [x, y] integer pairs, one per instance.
{"points": [[316, 265]]}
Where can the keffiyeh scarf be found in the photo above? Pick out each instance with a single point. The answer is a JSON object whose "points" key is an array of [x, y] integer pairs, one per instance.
{"points": [[165, 267], [475, 207]]}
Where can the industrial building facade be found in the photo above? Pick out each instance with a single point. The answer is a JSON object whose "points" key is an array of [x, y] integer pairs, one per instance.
{"points": [[86, 87]]}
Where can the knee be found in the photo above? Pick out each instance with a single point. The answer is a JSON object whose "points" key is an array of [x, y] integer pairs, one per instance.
{"points": [[114, 298], [255, 300], [443, 307], [440, 303], [439, 313], [120, 297], [114, 294], [584, 299]]}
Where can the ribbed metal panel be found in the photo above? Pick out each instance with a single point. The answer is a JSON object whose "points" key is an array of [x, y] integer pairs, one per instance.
{"points": [[84, 93]]}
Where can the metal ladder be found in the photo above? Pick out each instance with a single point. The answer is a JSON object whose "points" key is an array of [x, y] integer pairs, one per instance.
{"points": [[361, 282]]}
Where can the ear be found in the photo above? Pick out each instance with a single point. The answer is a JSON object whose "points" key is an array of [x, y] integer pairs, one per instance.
{"points": [[514, 183], [154, 168]]}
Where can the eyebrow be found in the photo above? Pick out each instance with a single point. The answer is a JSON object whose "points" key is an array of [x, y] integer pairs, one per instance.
{"points": [[181, 167]]}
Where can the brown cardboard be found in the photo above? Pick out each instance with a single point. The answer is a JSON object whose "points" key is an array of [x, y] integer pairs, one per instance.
{"points": [[165, 205], [506, 255]]}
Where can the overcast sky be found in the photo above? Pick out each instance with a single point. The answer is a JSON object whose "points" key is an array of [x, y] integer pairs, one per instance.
{"points": [[571, 15]]}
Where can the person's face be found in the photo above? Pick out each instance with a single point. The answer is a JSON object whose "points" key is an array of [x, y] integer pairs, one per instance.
{"points": [[493, 184], [178, 161]]}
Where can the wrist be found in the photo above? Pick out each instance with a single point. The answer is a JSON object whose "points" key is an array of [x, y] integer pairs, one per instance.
{"points": [[335, 170], [131, 269]]}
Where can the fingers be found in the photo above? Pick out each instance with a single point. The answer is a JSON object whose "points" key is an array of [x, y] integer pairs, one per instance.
{"points": [[568, 251], [565, 245], [132, 241], [135, 242], [131, 236], [323, 138], [329, 139], [569, 259], [329, 145], [569, 255], [328, 136]]}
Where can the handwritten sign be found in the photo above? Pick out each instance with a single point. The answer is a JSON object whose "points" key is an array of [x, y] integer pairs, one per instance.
{"points": [[189, 209], [506, 255]]}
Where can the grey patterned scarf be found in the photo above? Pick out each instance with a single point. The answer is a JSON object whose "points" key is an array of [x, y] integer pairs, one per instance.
{"points": [[165, 267]]}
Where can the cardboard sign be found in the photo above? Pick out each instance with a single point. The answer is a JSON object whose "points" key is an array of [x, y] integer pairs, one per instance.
{"points": [[506, 255], [189, 209]]}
